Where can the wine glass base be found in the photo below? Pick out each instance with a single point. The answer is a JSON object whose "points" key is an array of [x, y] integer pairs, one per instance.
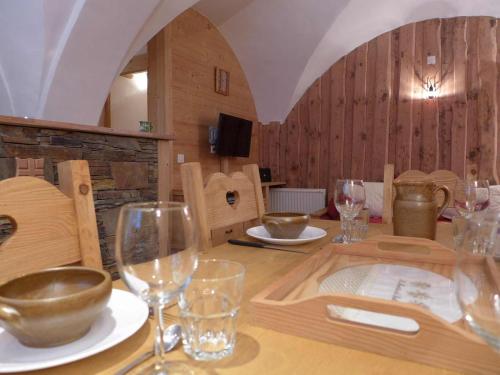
{"points": [[166, 368], [341, 239], [491, 340], [338, 239]]}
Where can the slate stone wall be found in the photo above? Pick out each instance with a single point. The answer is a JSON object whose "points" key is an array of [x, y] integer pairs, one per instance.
{"points": [[122, 169]]}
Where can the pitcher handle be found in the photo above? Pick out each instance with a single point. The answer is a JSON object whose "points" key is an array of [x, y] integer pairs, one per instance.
{"points": [[446, 192]]}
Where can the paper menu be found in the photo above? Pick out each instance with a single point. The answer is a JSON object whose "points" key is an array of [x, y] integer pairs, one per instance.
{"points": [[397, 283]]}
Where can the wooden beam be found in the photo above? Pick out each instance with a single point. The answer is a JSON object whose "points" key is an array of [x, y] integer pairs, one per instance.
{"points": [[160, 108], [137, 64]]}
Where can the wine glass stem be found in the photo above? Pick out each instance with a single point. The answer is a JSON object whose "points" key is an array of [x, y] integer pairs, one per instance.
{"points": [[159, 346]]}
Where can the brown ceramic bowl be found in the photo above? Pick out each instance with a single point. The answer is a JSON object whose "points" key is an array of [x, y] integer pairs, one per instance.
{"points": [[285, 224], [54, 306]]}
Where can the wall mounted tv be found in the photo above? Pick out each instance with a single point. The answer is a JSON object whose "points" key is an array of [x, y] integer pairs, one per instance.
{"points": [[234, 136]]}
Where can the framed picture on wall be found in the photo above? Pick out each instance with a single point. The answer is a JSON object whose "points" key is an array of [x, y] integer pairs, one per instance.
{"points": [[221, 81]]}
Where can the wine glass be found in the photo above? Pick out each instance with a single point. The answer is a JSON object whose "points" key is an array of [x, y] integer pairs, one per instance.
{"points": [[472, 196], [477, 278], [349, 201], [156, 254]]}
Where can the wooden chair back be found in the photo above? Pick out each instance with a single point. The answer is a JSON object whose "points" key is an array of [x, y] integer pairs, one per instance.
{"points": [[223, 201], [52, 227], [439, 177]]}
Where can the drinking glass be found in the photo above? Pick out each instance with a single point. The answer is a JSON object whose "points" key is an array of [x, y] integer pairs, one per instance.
{"points": [[349, 201], [360, 225], [477, 278], [472, 196], [459, 226], [156, 255], [209, 309]]}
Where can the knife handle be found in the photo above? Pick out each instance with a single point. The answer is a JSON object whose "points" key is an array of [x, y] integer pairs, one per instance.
{"points": [[246, 243]]}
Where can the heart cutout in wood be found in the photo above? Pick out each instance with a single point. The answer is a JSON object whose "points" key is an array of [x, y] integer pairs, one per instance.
{"points": [[232, 198], [8, 227]]}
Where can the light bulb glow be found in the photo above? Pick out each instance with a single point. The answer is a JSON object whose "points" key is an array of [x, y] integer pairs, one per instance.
{"points": [[140, 80], [431, 88]]}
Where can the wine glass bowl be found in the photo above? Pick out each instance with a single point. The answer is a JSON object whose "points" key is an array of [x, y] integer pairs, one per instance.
{"points": [[477, 278], [349, 201], [156, 255], [472, 196]]}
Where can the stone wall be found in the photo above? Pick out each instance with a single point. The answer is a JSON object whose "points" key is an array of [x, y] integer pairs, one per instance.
{"points": [[122, 169]]}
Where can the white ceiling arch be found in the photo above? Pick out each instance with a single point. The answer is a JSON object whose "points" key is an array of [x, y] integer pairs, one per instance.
{"points": [[285, 45], [59, 57]]}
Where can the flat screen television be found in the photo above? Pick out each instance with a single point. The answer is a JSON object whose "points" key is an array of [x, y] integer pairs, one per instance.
{"points": [[234, 136]]}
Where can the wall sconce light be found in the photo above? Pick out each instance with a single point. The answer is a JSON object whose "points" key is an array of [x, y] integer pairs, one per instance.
{"points": [[431, 88]]}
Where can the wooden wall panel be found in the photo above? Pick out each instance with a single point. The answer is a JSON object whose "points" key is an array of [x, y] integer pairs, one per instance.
{"points": [[196, 48], [293, 150], [445, 100], [382, 108], [472, 90], [370, 107], [313, 127], [274, 151], [404, 103], [304, 138], [418, 92], [324, 133], [349, 84], [359, 113], [430, 115], [459, 106], [283, 154], [498, 93], [393, 109], [337, 105], [487, 105]]}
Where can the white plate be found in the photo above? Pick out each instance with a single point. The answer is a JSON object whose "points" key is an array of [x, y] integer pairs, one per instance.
{"points": [[123, 316], [309, 234], [391, 282]]}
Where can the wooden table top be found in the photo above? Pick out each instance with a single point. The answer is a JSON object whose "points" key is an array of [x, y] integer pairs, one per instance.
{"points": [[259, 350]]}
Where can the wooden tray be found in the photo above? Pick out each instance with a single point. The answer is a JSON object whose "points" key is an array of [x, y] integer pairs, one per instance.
{"points": [[293, 305]]}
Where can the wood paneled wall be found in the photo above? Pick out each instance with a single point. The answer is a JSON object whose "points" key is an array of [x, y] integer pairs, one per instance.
{"points": [[196, 47], [370, 108]]}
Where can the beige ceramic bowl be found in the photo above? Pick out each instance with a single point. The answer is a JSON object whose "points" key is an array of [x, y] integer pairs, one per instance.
{"points": [[54, 306], [285, 224]]}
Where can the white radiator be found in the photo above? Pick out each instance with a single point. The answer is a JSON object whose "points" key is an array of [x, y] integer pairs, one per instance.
{"points": [[296, 200]]}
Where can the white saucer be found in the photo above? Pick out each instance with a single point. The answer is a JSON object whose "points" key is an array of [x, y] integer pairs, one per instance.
{"points": [[430, 290], [308, 235], [123, 316]]}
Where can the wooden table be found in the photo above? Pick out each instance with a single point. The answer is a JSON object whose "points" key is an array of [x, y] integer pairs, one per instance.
{"points": [[259, 350]]}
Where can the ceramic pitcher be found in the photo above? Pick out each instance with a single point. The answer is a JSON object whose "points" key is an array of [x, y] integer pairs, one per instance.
{"points": [[415, 210]]}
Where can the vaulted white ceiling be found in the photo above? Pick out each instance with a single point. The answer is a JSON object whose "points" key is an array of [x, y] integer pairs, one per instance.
{"points": [[58, 58]]}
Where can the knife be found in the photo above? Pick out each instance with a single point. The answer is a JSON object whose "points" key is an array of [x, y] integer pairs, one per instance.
{"points": [[262, 246]]}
